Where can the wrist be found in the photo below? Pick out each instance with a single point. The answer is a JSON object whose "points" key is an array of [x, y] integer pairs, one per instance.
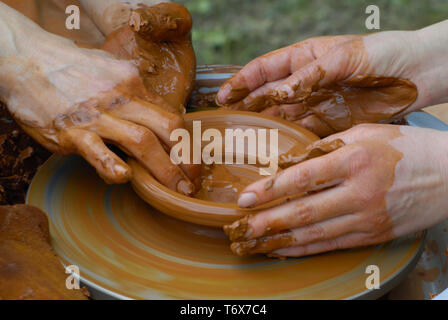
{"points": [[27, 48], [431, 48], [21, 42]]}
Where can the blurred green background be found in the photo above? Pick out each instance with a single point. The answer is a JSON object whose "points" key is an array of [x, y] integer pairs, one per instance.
{"points": [[236, 31]]}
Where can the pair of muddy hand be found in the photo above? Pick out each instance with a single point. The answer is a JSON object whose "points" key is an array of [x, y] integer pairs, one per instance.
{"points": [[325, 84], [356, 191], [75, 100]]}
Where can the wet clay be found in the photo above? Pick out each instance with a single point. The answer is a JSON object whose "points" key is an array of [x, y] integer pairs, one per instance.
{"points": [[317, 149], [223, 183], [362, 99], [327, 108], [29, 268], [263, 245], [215, 202], [158, 42], [238, 230]]}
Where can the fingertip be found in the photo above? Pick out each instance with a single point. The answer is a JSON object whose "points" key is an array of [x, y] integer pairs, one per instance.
{"points": [[185, 187], [232, 91], [247, 200], [223, 93], [283, 92], [112, 171], [111, 168], [122, 173], [193, 172]]}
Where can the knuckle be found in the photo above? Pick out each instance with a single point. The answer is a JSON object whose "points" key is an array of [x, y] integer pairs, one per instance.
{"points": [[261, 69], [175, 122], [76, 141], [305, 214], [364, 126], [371, 238], [143, 136], [302, 178], [359, 158], [363, 197], [378, 222], [365, 129], [316, 233], [374, 223]]}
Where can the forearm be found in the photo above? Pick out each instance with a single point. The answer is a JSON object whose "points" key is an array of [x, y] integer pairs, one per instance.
{"points": [[432, 47], [24, 42], [25, 48], [36, 68], [110, 15], [13, 26]]}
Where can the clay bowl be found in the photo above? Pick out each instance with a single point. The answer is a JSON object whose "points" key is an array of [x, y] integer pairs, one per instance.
{"points": [[214, 213]]}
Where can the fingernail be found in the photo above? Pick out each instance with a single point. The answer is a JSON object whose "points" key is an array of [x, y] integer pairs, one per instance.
{"points": [[185, 187], [248, 199], [122, 170], [222, 94]]}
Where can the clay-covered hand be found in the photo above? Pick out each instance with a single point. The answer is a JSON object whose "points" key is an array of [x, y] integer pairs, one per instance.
{"points": [[75, 100], [329, 84], [157, 39], [379, 182]]}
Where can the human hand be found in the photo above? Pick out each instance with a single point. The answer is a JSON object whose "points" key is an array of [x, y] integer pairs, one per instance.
{"points": [[156, 37], [329, 84], [157, 40], [73, 100], [385, 182]]}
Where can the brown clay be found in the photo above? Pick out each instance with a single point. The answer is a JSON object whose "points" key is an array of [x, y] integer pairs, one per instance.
{"points": [[215, 202], [331, 107], [263, 245], [312, 151], [158, 41], [29, 268]]}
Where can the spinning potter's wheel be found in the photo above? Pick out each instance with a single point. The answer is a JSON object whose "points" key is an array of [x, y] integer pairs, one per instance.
{"points": [[124, 248]]}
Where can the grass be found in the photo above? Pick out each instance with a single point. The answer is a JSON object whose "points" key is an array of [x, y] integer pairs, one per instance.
{"points": [[236, 31]]}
